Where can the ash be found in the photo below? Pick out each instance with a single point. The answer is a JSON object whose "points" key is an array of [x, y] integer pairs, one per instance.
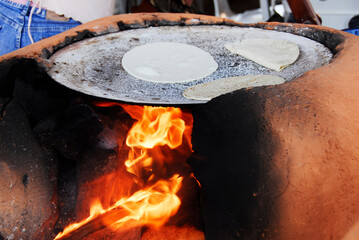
{"points": [[93, 66]]}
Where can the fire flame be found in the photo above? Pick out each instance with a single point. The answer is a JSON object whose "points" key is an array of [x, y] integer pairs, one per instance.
{"points": [[156, 130]]}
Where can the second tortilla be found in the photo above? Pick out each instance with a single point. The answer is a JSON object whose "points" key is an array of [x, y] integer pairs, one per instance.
{"points": [[275, 54], [207, 91]]}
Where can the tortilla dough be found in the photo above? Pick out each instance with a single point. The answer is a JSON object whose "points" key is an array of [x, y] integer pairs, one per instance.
{"points": [[168, 62], [275, 54], [207, 91]]}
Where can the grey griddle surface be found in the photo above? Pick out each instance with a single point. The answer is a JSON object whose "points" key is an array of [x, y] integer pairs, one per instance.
{"points": [[93, 66]]}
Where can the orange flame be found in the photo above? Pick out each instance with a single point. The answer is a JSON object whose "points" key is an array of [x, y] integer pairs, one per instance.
{"points": [[156, 126], [156, 129]]}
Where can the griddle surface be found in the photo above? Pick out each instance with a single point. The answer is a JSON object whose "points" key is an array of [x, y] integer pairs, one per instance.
{"points": [[93, 66]]}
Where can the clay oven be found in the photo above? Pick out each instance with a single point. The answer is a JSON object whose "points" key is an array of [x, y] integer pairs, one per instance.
{"points": [[275, 162]]}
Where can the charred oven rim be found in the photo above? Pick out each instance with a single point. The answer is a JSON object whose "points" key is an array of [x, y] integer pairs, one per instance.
{"points": [[43, 50]]}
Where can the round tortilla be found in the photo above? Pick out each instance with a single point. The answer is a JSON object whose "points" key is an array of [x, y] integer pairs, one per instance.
{"points": [[207, 91], [168, 62], [275, 54]]}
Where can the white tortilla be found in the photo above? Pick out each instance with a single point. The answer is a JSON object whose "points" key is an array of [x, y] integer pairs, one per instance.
{"points": [[168, 62], [207, 91], [275, 54]]}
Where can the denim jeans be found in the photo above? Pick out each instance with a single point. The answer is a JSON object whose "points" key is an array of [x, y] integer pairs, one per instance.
{"points": [[14, 20]]}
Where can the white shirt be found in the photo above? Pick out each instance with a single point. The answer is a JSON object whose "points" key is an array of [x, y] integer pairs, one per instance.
{"points": [[81, 10]]}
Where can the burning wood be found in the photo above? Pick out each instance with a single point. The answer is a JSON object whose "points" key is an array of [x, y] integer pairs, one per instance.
{"points": [[155, 130], [94, 224], [150, 206]]}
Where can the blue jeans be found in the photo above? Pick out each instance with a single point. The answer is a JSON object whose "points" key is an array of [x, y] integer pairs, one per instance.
{"points": [[14, 19]]}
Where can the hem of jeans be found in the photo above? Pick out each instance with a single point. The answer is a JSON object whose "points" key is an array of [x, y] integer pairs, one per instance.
{"points": [[45, 22], [49, 29]]}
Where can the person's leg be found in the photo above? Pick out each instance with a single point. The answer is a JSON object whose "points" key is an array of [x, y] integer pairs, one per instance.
{"points": [[11, 24]]}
